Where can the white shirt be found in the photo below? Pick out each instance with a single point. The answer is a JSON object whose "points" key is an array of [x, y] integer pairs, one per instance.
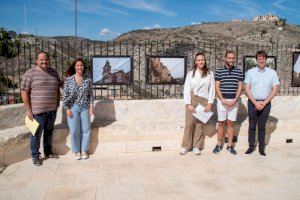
{"points": [[203, 87], [261, 82]]}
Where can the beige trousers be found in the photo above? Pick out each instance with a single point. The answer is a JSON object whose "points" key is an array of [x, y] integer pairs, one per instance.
{"points": [[194, 129]]}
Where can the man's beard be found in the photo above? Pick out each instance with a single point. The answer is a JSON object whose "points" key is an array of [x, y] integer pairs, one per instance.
{"points": [[228, 64]]}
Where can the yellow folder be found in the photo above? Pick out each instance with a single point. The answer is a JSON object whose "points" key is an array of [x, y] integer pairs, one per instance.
{"points": [[32, 125]]}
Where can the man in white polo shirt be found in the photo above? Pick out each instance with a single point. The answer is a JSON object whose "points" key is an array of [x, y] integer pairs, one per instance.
{"points": [[261, 85]]}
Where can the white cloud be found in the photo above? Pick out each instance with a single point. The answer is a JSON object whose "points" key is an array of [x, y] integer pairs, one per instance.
{"points": [[91, 7], [278, 4], [150, 6], [107, 33], [292, 9], [196, 23], [155, 26], [235, 9]]}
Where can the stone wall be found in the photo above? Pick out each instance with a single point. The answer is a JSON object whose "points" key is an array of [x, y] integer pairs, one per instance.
{"points": [[120, 126], [139, 112]]}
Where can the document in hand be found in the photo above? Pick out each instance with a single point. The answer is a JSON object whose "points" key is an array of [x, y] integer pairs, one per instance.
{"points": [[32, 125], [201, 115]]}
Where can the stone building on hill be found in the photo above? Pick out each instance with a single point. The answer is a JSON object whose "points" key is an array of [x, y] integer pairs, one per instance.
{"points": [[269, 17]]}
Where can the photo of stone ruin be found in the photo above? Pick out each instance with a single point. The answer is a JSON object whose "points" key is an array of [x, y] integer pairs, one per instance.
{"points": [[296, 69], [250, 62], [162, 70]]}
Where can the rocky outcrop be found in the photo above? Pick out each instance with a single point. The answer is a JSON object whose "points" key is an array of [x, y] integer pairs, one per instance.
{"points": [[157, 72]]}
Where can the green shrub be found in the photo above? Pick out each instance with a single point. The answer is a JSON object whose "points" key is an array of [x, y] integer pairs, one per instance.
{"points": [[8, 46], [262, 32]]}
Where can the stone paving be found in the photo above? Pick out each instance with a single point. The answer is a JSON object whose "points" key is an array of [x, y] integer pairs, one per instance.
{"points": [[159, 175]]}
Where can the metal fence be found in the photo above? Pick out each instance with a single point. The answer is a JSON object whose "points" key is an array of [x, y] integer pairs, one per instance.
{"points": [[62, 53]]}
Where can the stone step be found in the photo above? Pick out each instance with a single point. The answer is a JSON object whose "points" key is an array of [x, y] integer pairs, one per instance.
{"points": [[106, 142], [115, 131]]}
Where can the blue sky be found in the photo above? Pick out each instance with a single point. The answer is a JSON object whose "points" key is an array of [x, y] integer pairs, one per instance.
{"points": [[106, 19]]}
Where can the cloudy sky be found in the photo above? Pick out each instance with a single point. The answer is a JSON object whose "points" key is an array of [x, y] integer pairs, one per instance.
{"points": [[106, 19]]}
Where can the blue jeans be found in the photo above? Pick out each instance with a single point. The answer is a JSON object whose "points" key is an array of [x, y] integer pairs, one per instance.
{"points": [[80, 128], [46, 121]]}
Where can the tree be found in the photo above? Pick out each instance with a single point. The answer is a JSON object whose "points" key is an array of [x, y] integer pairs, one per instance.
{"points": [[262, 32], [8, 46]]}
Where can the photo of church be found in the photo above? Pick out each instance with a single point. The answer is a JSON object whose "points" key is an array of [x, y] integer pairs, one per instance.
{"points": [[111, 70]]}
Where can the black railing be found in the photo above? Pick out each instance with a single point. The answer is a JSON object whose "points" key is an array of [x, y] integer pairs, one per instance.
{"points": [[62, 53]]}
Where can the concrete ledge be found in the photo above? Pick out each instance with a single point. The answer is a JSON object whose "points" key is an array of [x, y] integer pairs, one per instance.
{"points": [[9, 112], [14, 145], [138, 125]]}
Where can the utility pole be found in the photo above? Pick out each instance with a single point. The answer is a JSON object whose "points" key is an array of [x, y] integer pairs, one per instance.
{"points": [[75, 1], [25, 19]]}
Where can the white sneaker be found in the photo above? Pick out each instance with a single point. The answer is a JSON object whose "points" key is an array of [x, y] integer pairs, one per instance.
{"points": [[196, 151], [84, 155], [183, 151], [78, 156]]}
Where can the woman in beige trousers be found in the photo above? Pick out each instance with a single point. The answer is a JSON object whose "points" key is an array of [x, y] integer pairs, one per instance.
{"points": [[199, 88]]}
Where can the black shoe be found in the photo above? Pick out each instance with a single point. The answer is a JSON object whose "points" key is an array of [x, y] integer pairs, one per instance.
{"points": [[51, 156], [262, 152], [217, 149], [231, 150], [250, 150], [37, 161]]}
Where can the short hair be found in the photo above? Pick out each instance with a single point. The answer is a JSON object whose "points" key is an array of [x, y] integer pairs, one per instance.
{"points": [[261, 53], [44, 52], [228, 52]]}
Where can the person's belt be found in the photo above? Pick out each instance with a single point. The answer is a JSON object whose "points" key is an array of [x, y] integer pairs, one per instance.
{"points": [[260, 99]]}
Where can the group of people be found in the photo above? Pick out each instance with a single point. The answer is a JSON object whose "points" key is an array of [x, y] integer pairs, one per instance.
{"points": [[201, 84], [40, 91]]}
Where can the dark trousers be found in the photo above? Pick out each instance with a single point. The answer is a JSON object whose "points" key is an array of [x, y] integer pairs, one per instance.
{"points": [[259, 118], [46, 121]]}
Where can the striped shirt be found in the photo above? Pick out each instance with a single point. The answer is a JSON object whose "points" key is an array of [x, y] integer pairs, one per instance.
{"points": [[229, 80], [42, 87]]}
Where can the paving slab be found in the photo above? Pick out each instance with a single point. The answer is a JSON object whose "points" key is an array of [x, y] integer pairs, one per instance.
{"points": [[159, 175]]}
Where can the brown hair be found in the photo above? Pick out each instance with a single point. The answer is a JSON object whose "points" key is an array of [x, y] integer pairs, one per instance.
{"points": [[71, 70], [205, 68], [261, 53], [44, 52], [228, 52]]}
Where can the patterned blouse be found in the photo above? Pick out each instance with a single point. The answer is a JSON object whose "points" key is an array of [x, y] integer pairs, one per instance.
{"points": [[79, 94]]}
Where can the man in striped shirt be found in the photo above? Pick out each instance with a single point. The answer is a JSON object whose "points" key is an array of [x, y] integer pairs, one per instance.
{"points": [[229, 84], [40, 94]]}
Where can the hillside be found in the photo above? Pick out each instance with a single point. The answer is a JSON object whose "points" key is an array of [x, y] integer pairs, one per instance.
{"points": [[235, 32]]}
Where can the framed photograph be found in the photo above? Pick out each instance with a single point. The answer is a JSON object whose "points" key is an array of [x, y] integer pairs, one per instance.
{"points": [[111, 70], [165, 69], [250, 62], [296, 69]]}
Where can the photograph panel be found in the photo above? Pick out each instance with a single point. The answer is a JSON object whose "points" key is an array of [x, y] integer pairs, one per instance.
{"points": [[108, 70], [165, 70]]}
